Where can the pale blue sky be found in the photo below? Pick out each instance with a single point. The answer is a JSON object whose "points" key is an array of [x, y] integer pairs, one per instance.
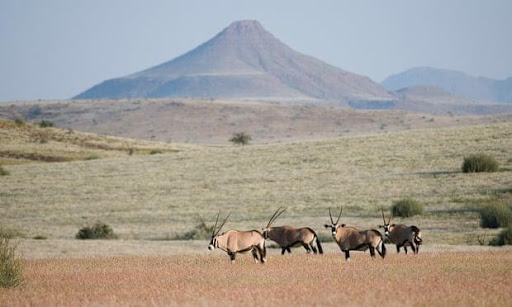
{"points": [[56, 49]]}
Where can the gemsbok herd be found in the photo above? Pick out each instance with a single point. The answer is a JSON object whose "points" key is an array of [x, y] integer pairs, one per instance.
{"points": [[348, 238]]}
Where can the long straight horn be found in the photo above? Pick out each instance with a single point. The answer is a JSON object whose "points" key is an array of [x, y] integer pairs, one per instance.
{"points": [[330, 215], [390, 216], [339, 216], [215, 227], [382, 210], [221, 225], [276, 215]]}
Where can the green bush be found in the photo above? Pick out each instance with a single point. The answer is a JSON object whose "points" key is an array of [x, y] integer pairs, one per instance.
{"points": [[478, 163], [240, 138], [406, 207], [98, 231], [495, 216], [20, 121], [4, 172], [45, 123], [11, 267], [504, 238], [200, 232]]}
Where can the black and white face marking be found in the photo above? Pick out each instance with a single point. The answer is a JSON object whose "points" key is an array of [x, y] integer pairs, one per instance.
{"points": [[213, 243], [265, 233], [386, 230], [334, 228]]}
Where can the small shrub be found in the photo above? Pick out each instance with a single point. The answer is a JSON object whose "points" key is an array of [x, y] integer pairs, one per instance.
{"points": [[478, 163], [92, 157], [98, 231], [495, 216], [4, 172], [45, 124], [406, 207], [11, 267], [40, 237], [240, 139], [200, 232], [503, 238], [155, 152], [20, 121]]}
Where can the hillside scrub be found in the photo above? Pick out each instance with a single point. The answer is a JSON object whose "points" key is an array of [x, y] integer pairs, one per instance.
{"points": [[503, 238], [11, 267], [478, 163], [99, 230], [495, 216], [406, 207]]}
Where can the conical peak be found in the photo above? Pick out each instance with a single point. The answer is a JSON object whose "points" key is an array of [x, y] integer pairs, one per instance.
{"points": [[245, 25], [245, 28]]}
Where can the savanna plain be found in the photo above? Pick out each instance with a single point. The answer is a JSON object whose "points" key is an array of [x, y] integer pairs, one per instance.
{"points": [[150, 199]]}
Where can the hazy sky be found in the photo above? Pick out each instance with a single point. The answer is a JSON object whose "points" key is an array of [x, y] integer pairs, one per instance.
{"points": [[58, 48]]}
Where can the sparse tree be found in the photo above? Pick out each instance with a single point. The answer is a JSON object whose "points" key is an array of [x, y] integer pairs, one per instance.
{"points": [[240, 138]]}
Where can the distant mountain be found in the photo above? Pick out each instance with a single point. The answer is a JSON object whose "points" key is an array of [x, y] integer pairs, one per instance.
{"points": [[455, 82], [246, 61]]}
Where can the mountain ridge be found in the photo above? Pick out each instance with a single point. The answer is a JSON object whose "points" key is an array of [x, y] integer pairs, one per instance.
{"points": [[455, 82], [243, 61]]}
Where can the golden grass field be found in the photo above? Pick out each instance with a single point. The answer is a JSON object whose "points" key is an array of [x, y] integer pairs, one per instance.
{"points": [[438, 279]]}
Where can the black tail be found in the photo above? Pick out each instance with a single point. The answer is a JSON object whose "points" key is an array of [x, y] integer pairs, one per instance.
{"points": [[320, 249], [417, 235]]}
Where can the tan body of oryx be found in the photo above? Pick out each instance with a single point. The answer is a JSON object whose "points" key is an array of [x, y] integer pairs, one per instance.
{"points": [[288, 236], [352, 239], [402, 235], [234, 242]]}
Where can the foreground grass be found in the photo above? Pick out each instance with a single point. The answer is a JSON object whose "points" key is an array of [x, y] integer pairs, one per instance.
{"points": [[430, 278], [157, 196]]}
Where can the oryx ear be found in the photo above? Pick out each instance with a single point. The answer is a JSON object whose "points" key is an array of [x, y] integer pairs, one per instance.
{"points": [[327, 226], [381, 226], [342, 225]]}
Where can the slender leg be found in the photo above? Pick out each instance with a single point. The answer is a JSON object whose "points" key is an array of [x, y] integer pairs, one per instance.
{"points": [[255, 254], [289, 250], [372, 252], [405, 248], [232, 257], [398, 249], [413, 248], [347, 255], [417, 248], [283, 250], [308, 250], [315, 251]]}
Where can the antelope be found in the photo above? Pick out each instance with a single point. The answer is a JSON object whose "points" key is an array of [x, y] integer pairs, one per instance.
{"points": [[350, 238], [402, 235], [234, 241], [288, 236]]}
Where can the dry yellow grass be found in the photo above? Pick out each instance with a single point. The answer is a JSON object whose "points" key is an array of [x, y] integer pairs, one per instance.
{"points": [[30, 143], [447, 279], [156, 196]]}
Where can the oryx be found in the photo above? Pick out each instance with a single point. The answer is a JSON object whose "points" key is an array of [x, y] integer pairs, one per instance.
{"points": [[234, 241], [402, 235], [350, 238], [288, 236]]}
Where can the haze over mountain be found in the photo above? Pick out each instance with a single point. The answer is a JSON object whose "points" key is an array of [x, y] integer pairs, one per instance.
{"points": [[244, 61], [454, 82]]}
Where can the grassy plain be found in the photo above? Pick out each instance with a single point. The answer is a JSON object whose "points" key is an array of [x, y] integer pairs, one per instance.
{"points": [[28, 143], [156, 196], [439, 279]]}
